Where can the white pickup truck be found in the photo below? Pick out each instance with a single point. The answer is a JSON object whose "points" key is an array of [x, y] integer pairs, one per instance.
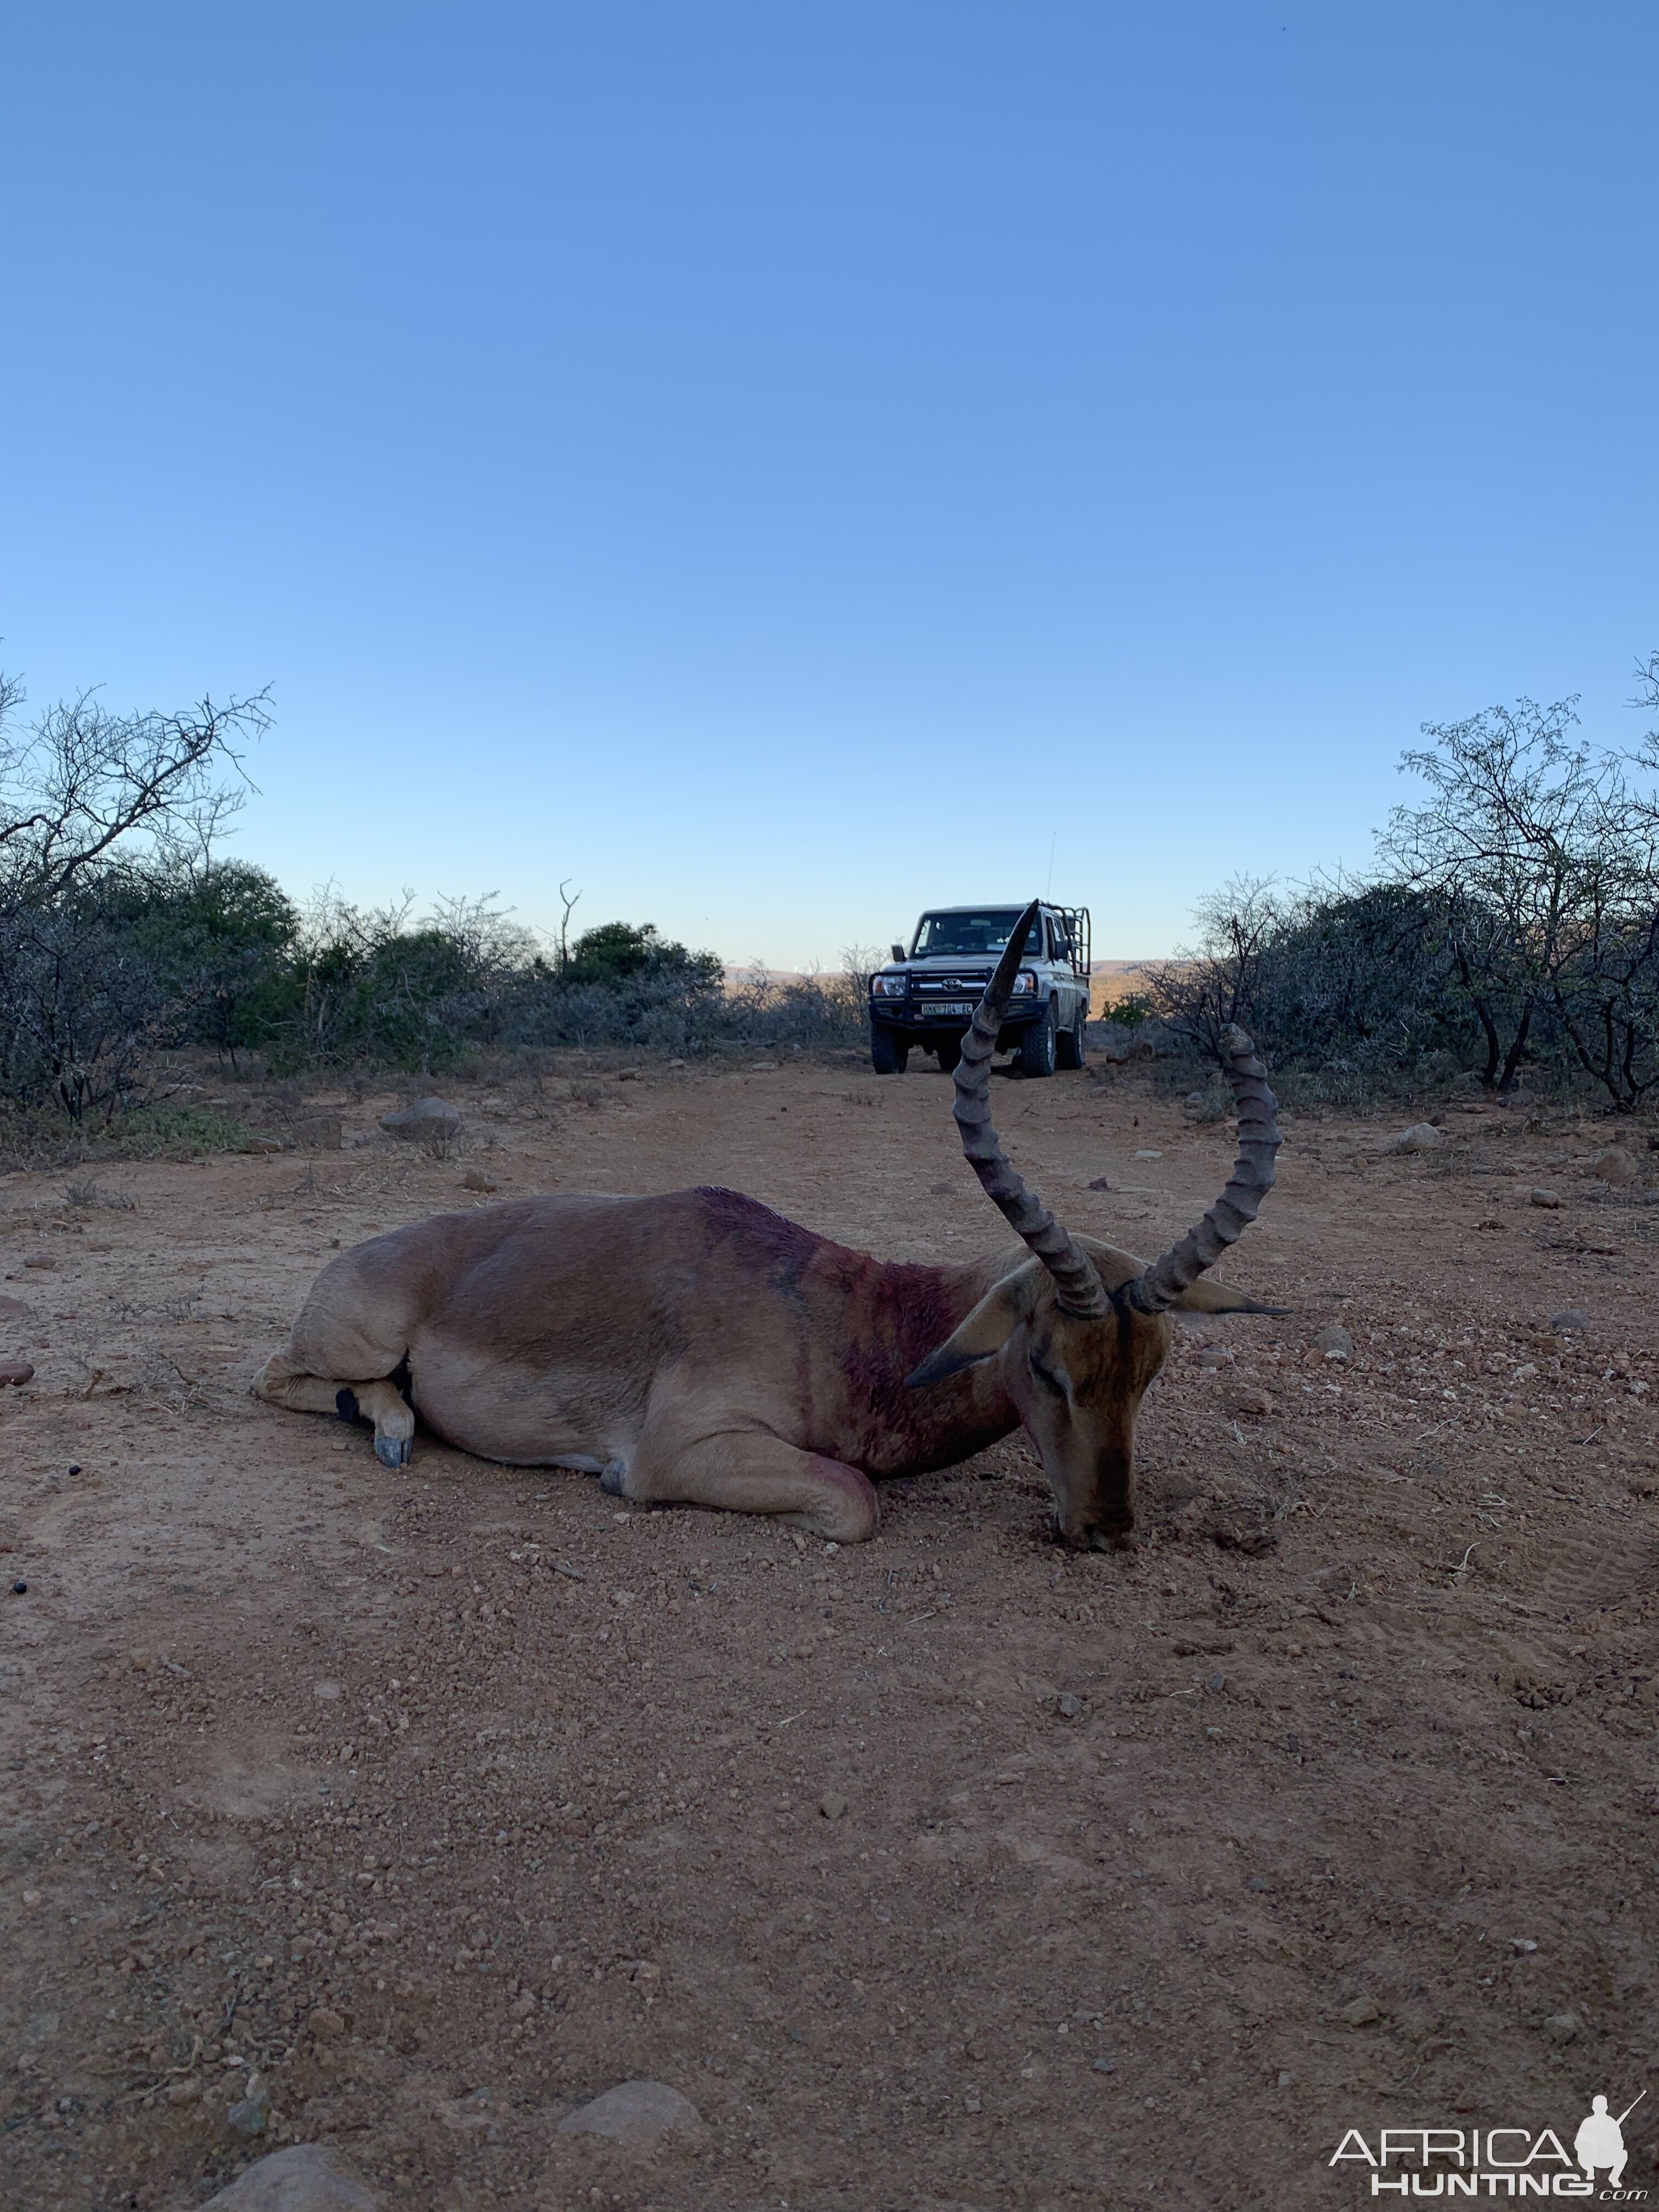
{"points": [[926, 996]]}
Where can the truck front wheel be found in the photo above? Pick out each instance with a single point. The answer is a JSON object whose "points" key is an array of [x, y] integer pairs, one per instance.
{"points": [[888, 1052], [1037, 1053]]}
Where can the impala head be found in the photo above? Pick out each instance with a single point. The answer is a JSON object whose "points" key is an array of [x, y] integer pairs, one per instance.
{"points": [[1081, 1330]]}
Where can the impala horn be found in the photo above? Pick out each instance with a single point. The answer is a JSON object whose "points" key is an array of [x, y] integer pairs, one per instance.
{"points": [[1077, 1288], [1252, 1178]]}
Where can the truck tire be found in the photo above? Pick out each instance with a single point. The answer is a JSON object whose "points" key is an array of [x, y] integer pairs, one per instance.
{"points": [[1071, 1042], [1037, 1053], [888, 1052], [949, 1053]]}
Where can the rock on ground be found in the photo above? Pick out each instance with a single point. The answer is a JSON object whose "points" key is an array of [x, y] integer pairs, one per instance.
{"points": [[638, 2113], [426, 1114], [1616, 1166], [1421, 1136], [1250, 1399], [306, 2178]]}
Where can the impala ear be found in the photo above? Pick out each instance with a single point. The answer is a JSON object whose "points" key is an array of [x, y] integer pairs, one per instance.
{"points": [[986, 1330]]}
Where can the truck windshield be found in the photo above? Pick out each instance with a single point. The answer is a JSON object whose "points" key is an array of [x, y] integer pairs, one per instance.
{"points": [[958, 936]]}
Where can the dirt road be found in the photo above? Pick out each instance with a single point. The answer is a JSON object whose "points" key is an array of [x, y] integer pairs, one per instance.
{"points": [[946, 1871]]}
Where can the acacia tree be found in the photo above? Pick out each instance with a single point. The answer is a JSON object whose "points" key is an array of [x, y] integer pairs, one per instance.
{"points": [[1607, 1001], [1217, 981], [97, 809], [1332, 974], [1529, 849]]}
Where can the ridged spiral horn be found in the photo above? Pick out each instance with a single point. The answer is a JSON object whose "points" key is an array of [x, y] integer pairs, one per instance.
{"points": [[1233, 1212], [1077, 1288]]}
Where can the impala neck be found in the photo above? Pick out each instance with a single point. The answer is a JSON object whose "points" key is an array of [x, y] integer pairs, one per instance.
{"points": [[902, 1314]]}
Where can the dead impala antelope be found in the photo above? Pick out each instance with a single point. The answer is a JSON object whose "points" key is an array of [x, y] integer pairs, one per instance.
{"points": [[697, 1348]]}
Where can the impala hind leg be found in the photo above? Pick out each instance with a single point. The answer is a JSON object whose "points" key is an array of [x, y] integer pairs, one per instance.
{"points": [[747, 1471], [375, 1399]]}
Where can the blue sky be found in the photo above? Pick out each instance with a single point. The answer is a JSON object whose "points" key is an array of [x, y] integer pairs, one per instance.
{"points": [[783, 465]]}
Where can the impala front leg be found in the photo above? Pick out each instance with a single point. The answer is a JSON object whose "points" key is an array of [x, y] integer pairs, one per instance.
{"points": [[750, 1471], [383, 1404], [378, 1401]]}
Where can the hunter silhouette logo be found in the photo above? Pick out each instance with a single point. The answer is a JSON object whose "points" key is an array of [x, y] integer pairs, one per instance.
{"points": [[1527, 2161], [1601, 2139]]}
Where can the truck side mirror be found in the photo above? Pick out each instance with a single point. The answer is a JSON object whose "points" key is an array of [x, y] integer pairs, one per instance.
{"points": [[898, 952]]}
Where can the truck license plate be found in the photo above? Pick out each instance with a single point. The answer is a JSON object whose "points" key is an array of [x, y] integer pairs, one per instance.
{"points": [[953, 1007]]}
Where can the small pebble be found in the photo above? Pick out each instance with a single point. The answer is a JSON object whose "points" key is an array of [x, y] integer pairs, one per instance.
{"points": [[1361, 2013], [304, 2178], [637, 2113], [1571, 1320], [1545, 1198], [1334, 1343], [248, 2114], [1561, 2027], [1105, 2066], [1250, 1400], [20, 1589], [1068, 1705], [832, 1805]]}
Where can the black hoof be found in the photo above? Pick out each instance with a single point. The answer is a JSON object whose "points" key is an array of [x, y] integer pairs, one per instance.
{"points": [[611, 1479], [345, 1405]]}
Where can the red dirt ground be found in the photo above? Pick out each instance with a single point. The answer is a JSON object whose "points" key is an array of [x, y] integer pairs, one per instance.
{"points": [[445, 1799]]}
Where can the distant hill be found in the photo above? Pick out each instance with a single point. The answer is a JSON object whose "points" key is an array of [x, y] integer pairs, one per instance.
{"points": [[1112, 980]]}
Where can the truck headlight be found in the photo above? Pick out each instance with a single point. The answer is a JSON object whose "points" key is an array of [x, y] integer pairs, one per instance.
{"points": [[1025, 984], [889, 986]]}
